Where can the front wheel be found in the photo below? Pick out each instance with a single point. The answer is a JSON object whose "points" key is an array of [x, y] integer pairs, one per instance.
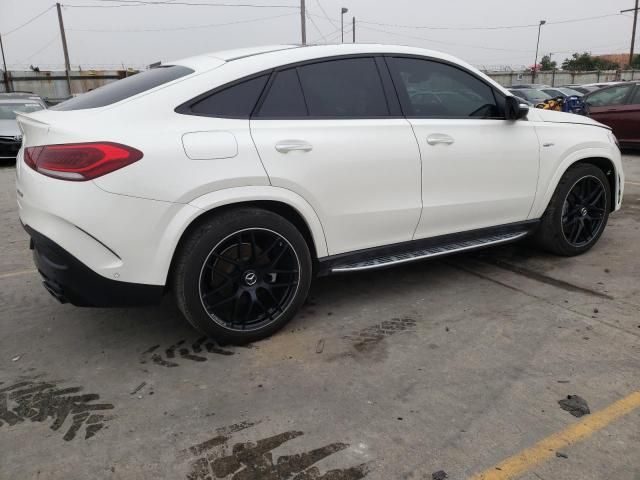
{"points": [[242, 275], [577, 213]]}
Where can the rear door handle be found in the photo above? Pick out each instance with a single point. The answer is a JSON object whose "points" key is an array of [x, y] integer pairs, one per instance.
{"points": [[293, 145], [439, 138]]}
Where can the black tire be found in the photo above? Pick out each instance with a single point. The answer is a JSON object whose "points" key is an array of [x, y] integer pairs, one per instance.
{"points": [[242, 275], [570, 210]]}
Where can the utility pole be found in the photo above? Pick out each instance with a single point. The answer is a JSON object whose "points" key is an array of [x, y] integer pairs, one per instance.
{"points": [[5, 74], [67, 67], [535, 63], [303, 20], [342, 12], [633, 34], [353, 28]]}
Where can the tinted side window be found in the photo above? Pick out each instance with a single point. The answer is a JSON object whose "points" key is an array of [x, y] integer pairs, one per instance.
{"points": [[635, 100], [435, 90], [284, 98], [343, 88], [609, 96], [236, 101], [125, 88]]}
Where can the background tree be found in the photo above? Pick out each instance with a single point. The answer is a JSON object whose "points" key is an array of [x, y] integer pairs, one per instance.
{"points": [[635, 64], [585, 61], [546, 64]]}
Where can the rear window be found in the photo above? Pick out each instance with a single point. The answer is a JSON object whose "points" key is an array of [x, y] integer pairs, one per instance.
{"points": [[236, 101], [8, 110], [125, 88]]}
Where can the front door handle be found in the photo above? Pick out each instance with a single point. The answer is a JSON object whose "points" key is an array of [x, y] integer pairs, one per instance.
{"points": [[293, 145], [438, 138]]}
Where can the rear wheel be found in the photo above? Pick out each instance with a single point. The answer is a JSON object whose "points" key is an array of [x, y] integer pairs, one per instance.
{"points": [[577, 213], [242, 275]]}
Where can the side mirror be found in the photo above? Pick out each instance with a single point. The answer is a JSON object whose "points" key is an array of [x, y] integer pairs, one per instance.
{"points": [[515, 110]]}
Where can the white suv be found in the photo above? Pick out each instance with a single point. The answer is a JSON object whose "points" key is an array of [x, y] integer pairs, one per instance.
{"points": [[233, 178]]}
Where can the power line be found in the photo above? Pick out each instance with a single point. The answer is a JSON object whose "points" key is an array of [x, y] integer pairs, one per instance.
{"points": [[326, 16], [28, 21], [503, 27], [44, 47], [313, 22], [142, 3], [441, 42], [172, 29]]}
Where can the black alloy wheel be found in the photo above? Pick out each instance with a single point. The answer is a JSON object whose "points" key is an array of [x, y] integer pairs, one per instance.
{"points": [[249, 279], [577, 213], [583, 211]]}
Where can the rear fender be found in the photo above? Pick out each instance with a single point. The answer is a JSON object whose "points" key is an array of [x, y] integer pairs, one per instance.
{"points": [[230, 196]]}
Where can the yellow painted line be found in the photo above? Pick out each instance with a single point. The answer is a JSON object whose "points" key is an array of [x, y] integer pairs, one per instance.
{"points": [[15, 274], [525, 460], [633, 183]]}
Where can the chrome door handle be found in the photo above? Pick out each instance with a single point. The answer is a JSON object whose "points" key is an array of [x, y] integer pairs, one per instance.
{"points": [[437, 138], [293, 145]]}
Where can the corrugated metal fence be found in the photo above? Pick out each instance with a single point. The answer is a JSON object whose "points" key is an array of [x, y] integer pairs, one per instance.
{"points": [[558, 77], [52, 85]]}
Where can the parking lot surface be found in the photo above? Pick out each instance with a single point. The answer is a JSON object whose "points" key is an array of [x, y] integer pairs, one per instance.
{"points": [[444, 369]]}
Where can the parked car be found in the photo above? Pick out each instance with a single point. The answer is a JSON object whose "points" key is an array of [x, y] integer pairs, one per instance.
{"points": [[584, 89], [619, 108], [563, 92], [536, 86], [240, 175], [531, 95], [10, 135]]}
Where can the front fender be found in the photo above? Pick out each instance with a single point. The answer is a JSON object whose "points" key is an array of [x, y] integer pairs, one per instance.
{"points": [[556, 158]]}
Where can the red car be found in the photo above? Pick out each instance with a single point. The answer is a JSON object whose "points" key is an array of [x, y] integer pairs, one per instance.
{"points": [[618, 107]]}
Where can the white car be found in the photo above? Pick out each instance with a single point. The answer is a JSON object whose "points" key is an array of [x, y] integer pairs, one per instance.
{"points": [[235, 177]]}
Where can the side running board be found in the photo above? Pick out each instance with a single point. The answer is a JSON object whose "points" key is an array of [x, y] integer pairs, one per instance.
{"points": [[431, 252]]}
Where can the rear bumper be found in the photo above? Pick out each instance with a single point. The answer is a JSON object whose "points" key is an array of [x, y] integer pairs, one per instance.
{"points": [[69, 280], [9, 148]]}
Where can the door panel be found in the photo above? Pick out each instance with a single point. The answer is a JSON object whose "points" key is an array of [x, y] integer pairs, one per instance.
{"points": [[486, 176], [624, 119], [362, 177], [478, 170], [609, 106]]}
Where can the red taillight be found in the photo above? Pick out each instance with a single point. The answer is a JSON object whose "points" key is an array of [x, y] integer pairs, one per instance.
{"points": [[79, 162]]}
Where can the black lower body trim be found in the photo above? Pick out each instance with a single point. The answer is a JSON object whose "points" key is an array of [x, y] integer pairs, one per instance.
{"points": [[70, 280], [328, 264]]}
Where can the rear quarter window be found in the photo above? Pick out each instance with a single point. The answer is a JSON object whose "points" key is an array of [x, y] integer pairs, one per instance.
{"points": [[125, 88]]}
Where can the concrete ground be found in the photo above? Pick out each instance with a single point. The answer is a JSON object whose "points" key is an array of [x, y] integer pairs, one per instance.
{"points": [[432, 369]]}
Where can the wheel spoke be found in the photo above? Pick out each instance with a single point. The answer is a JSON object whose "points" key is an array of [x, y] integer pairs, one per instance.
{"points": [[227, 260], [283, 272], [275, 261], [577, 232], [222, 302], [254, 246], [284, 284], [216, 290], [235, 281], [275, 300]]}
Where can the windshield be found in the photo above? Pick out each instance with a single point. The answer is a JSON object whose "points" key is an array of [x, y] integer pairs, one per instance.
{"points": [[7, 110], [570, 91], [125, 88], [532, 95]]}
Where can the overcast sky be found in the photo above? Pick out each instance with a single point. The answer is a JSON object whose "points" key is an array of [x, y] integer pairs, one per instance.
{"points": [[110, 35]]}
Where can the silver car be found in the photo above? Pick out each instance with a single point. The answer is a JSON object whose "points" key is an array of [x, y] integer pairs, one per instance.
{"points": [[10, 135]]}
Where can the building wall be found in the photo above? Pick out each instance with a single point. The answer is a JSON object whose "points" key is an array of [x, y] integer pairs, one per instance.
{"points": [[558, 78]]}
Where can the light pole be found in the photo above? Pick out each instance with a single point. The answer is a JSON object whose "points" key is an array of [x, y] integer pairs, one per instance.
{"points": [[342, 12], [535, 64]]}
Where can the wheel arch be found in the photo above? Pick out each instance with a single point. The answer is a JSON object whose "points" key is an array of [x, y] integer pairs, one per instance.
{"points": [[277, 200], [597, 157]]}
